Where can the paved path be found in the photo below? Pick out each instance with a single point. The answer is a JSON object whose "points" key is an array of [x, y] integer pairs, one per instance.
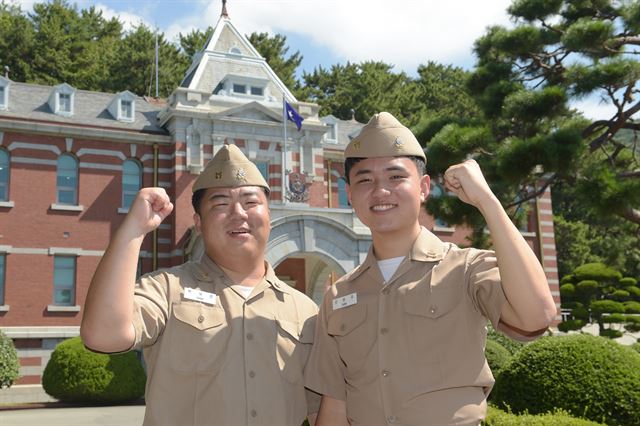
{"points": [[129, 415]]}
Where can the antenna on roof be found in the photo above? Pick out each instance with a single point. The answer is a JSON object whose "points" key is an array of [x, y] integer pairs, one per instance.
{"points": [[224, 9]]}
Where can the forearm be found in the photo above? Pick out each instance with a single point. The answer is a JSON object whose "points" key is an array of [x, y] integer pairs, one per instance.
{"points": [[333, 412], [108, 313], [530, 304]]}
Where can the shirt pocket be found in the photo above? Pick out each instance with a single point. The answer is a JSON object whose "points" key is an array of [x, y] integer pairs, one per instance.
{"points": [[293, 344], [198, 336], [354, 334]]}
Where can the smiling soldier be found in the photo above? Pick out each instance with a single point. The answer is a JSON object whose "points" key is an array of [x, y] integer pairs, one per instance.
{"points": [[224, 340], [400, 340]]}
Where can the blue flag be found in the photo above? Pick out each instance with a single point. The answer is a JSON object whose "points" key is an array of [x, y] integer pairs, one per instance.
{"points": [[292, 115]]}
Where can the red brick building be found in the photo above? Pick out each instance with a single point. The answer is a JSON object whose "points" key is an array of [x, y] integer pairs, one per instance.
{"points": [[72, 160]]}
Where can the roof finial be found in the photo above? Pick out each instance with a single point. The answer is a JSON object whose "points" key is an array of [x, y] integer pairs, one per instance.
{"points": [[224, 9]]}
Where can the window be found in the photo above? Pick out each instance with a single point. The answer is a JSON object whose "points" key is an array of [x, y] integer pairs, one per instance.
{"points": [[239, 88], [3, 102], [257, 91], [131, 181], [126, 109], [235, 51], [67, 183], [343, 201], [331, 134], [64, 280], [64, 102], [4, 175], [264, 170], [3, 258]]}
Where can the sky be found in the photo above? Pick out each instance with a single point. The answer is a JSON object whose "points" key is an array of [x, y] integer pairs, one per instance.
{"points": [[405, 33]]}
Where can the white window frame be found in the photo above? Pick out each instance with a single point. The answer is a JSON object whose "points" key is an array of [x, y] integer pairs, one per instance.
{"points": [[76, 189], [55, 102], [230, 82], [67, 286], [123, 111], [126, 192], [6, 184]]}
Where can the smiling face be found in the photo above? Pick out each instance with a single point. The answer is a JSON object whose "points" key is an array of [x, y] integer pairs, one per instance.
{"points": [[386, 194], [234, 222]]}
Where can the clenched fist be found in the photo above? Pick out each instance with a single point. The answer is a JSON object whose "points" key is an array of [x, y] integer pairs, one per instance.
{"points": [[467, 182], [148, 210]]}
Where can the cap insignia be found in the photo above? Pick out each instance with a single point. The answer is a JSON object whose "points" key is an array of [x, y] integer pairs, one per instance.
{"points": [[356, 145], [398, 143], [218, 175], [241, 174]]}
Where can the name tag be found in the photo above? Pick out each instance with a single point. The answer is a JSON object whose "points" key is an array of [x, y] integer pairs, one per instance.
{"points": [[199, 295], [344, 301]]}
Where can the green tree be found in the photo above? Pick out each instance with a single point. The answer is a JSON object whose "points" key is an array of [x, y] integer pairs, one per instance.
{"points": [[529, 137], [16, 42], [194, 41], [366, 88], [597, 293], [274, 50]]}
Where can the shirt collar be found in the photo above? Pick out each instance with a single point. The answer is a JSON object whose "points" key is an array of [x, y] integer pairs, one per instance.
{"points": [[209, 270], [426, 248]]}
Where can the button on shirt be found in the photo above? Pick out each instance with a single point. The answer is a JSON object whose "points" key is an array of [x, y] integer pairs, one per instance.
{"points": [[233, 362], [411, 350]]}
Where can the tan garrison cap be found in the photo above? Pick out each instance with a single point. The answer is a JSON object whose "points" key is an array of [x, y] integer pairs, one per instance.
{"points": [[384, 136], [229, 168]]}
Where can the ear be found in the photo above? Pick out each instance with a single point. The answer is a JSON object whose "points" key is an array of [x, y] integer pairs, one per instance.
{"points": [[425, 186], [347, 188], [196, 221]]}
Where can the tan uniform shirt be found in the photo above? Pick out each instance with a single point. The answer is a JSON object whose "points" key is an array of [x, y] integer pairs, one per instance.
{"points": [[410, 351], [235, 361]]}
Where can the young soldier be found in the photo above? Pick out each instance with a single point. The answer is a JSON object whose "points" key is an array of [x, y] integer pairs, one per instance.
{"points": [[400, 340], [225, 341]]}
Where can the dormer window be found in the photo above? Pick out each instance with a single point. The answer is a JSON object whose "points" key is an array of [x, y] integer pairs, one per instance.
{"points": [[257, 91], [126, 108], [331, 135], [123, 106], [239, 88], [4, 92], [61, 100]]}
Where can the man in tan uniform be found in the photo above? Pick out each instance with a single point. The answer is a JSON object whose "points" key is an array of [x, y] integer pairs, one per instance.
{"points": [[225, 341], [400, 340]]}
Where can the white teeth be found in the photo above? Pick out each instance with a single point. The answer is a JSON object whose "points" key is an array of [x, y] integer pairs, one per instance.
{"points": [[382, 207]]}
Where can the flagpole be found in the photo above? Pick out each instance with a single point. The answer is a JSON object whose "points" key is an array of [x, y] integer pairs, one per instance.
{"points": [[284, 152]]}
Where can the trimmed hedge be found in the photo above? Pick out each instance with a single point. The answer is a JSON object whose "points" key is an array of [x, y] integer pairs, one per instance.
{"points": [[497, 356], [75, 374], [509, 344], [636, 347], [588, 376], [9, 364], [496, 417]]}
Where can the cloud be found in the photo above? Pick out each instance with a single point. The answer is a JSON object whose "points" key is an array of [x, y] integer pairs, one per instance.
{"points": [[403, 32], [128, 19]]}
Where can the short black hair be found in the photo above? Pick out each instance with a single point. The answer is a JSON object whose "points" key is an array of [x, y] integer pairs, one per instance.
{"points": [[351, 161], [197, 196]]}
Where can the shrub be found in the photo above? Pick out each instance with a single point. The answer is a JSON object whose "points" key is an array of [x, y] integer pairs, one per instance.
{"points": [[568, 325], [581, 313], [606, 306], [9, 364], [509, 344], [611, 333], [628, 282], [588, 376], [620, 295], [636, 347], [567, 279], [634, 291], [632, 307], [497, 356], [587, 287], [75, 374], [596, 271], [496, 417], [567, 290], [614, 318]]}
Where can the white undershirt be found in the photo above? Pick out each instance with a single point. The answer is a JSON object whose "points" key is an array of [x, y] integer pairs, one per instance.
{"points": [[388, 267], [243, 289]]}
